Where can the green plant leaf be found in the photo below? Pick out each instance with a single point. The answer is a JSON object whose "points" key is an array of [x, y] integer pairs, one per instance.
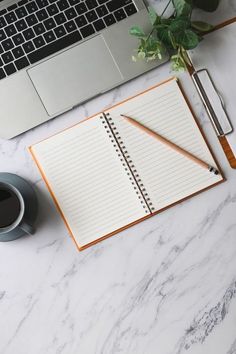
{"points": [[166, 21], [137, 31], [189, 40], [175, 34], [179, 24], [172, 39], [152, 15], [177, 63], [201, 26], [206, 5], [163, 33], [183, 7]]}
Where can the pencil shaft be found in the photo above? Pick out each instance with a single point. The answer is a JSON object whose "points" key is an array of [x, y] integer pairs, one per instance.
{"points": [[167, 142]]}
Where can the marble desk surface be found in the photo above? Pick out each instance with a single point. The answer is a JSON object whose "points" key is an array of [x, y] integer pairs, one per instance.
{"points": [[165, 286]]}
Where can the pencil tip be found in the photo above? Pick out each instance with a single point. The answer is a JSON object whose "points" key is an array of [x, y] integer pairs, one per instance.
{"points": [[213, 170]]}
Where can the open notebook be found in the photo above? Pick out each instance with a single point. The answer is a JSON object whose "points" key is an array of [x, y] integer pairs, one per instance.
{"points": [[105, 174]]}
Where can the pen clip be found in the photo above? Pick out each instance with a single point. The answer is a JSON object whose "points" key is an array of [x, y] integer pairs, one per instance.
{"points": [[212, 98]]}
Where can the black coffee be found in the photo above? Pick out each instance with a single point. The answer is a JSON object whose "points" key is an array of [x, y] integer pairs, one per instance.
{"points": [[9, 207]]}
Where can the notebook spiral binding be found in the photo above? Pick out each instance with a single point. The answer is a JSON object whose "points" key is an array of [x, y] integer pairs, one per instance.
{"points": [[127, 162]]}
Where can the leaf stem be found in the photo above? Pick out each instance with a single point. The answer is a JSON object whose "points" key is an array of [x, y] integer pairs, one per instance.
{"points": [[151, 32]]}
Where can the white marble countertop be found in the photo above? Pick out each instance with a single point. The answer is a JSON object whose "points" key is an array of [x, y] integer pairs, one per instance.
{"points": [[165, 286]]}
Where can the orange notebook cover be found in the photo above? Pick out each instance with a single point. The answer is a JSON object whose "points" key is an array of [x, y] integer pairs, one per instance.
{"points": [[106, 175]]}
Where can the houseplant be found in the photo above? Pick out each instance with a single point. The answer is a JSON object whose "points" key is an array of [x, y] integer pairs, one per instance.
{"points": [[175, 34]]}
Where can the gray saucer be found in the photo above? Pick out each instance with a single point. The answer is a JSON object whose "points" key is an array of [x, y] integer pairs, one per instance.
{"points": [[30, 199]]}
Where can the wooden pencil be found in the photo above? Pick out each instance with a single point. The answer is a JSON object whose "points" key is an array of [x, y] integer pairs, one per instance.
{"points": [[171, 145]]}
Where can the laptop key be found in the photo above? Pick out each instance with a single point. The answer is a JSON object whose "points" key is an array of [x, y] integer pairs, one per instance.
{"points": [[42, 15], [22, 63], [49, 36], [60, 31], [87, 31], [70, 26], [102, 1], [70, 13], [1, 62], [2, 12], [60, 18], [7, 57], [63, 5], [117, 4], [39, 41], [18, 52], [12, 7], [81, 21], [21, 25], [119, 14], [10, 69], [52, 9], [31, 7], [130, 9], [10, 30], [28, 34], [102, 11], [28, 47], [10, 17], [22, 2], [73, 2], [54, 47], [99, 25], [109, 20], [39, 29], [1, 49], [2, 22], [2, 74], [49, 23], [18, 39], [42, 3], [81, 8], [31, 20], [2, 35], [91, 16], [7, 44], [91, 4], [21, 12]]}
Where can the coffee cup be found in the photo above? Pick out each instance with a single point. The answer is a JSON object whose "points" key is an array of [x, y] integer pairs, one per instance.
{"points": [[17, 202]]}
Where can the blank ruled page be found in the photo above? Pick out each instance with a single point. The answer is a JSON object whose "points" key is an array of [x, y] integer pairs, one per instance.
{"points": [[167, 176], [88, 180]]}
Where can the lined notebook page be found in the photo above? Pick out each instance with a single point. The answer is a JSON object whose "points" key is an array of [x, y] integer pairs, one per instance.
{"points": [[88, 181], [166, 175]]}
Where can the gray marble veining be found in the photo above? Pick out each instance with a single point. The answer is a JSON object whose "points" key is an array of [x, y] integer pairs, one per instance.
{"points": [[165, 286]]}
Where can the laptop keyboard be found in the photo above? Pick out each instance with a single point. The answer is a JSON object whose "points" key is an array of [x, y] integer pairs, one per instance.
{"points": [[32, 30]]}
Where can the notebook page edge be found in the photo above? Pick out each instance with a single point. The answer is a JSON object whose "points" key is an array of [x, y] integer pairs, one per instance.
{"points": [[140, 93], [65, 129], [44, 177]]}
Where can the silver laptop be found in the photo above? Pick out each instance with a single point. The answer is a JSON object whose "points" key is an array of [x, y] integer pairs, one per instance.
{"points": [[56, 54]]}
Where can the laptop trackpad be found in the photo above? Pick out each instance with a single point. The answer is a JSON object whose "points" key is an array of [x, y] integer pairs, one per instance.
{"points": [[75, 75]]}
